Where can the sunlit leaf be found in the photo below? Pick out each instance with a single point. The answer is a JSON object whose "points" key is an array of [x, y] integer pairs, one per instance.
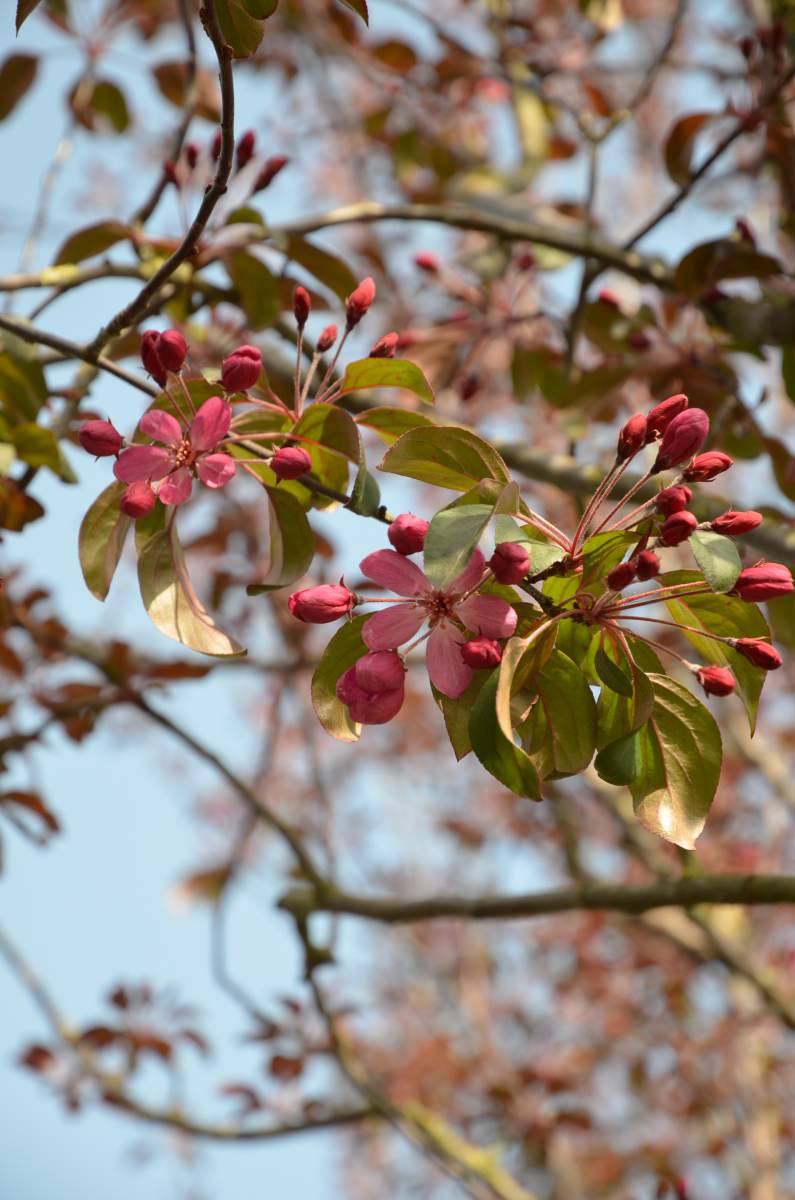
{"points": [[103, 532], [717, 557], [93, 239], [292, 543], [341, 653], [445, 455], [386, 372]]}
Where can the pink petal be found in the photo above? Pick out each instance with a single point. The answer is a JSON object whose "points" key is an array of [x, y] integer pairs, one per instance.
{"points": [[177, 487], [161, 427], [211, 423], [143, 462], [215, 470], [394, 571], [489, 615], [393, 626], [449, 673], [470, 575]]}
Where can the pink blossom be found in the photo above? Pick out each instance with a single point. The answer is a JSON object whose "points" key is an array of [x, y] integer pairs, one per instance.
{"points": [[449, 611], [183, 454]]}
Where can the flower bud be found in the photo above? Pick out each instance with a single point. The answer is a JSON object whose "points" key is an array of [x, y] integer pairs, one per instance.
{"points": [[426, 261], [672, 499], [386, 346], [735, 523], [706, 467], [138, 499], [510, 562], [171, 349], [359, 301], [647, 565], [149, 356], [378, 708], [302, 306], [191, 154], [631, 438], [328, 337], [682, 439], [171, 173], [525, 261], [380, 671], [716, 681], [215, 147], [469, 386], [245, 148], [639, 339], [764, 581], [407, 533], [100, 438], [606, 296], [759, 653], [482, 653], [270, 169], [241, 369], [677, 529], [319, 605], [659, 418], [621, 576], [290, 462]]}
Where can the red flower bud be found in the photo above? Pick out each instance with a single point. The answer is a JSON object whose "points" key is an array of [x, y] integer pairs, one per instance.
{"points": [[149, 356], [241, 369], [191, 154], [510, 562], [100, 438], [319, 605], [469, 386], [302, 306], [639, 340], [647, 565], [171, 349], [735, 523], [609, 298], [706, 467], [328, 337], [482, 653], [677, 528], [215, 148], [764, 581], [359, 301], [380, 671], [683, 438], [760, 653], [386, 346], [716, 681], [290, 462], [171, 173], [525, 261], [270, 169], [672, 499], [632, 437], [368, 708], [659, 418], [426, 261], [621, 576], [138, 499], [407, 533], [245, 148]]}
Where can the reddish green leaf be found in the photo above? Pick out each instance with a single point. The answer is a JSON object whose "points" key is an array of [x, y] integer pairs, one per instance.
{"points": [[103, 532], [17, 74], [386, 372], [93, 239]]}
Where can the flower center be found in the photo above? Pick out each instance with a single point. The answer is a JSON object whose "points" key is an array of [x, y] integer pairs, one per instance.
{"points": [[440, 606], [184, 455]]}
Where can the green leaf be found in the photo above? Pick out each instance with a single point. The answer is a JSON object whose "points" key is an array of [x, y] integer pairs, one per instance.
{"points": [[560, 732], [24, 9], [542, 554], [392, 423], [451, 539], [717, 557], [501, 757], [38, 447], [242, 33], [458, 712], [359, 7], [258, 288], [331, 427], [788, 370], [679, 751], [365, 494], [103, 532], [612, 676], [445, 455], [23, 388], [17, 75], [260, 9], [619, 762], [725, 258], [292, 542], [108, 100], [619, 714], [341, 653], [324, 266], [602, 552], [386, 372], [171, 601], [93, 239]]}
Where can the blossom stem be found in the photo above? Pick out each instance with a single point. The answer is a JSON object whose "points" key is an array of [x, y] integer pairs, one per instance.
{"points": [[617, 507], [660, 594], [186, 394], [309, 377], [556, 535], [331, 366], [716, 637], [299, 342], [603, 490]]}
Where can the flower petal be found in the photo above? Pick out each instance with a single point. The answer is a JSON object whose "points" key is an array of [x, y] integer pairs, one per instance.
{"points": [[161, 427], [215, 470], [143, 462], [177, 487], [394, 571], [489, 615], [390, 628], [211, 423], [449, 673], [470, 575]]}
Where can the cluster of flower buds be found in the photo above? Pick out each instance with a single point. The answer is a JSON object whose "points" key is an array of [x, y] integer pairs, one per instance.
{"points": [[182, 172]]}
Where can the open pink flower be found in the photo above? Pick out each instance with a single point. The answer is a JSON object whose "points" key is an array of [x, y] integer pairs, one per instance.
{"points": [[183, 453], [448, 611]]}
